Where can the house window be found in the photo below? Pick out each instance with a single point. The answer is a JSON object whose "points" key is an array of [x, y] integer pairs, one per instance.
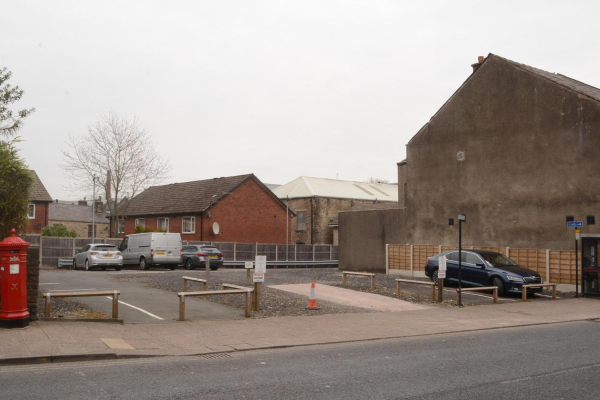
{"points": [[188, 225], [301, 221], [163, 223], [140, 222], [90, 230], [31, 211], [121, 225]]}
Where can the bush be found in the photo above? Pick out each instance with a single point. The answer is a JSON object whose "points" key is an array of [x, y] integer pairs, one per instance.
{"points": [[58, 231], [142, 229]]}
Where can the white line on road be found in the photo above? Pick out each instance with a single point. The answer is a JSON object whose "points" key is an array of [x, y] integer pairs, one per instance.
{"points": [[137, 308], [482, 295], [545, 295]]}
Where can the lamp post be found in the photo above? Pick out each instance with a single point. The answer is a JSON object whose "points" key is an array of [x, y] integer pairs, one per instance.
{"points": [[93, 208], [287, 229], [461, 218]]}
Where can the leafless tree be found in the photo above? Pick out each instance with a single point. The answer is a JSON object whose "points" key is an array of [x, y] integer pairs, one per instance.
{"points": [[120, 154], [376, 180]]}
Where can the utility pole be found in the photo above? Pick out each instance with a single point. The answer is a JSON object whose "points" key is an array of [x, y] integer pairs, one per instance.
{"points": [[93, 208], [287, 222], [461, 218]]}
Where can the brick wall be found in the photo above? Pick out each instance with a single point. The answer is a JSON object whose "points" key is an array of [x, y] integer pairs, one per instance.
{"points": [[41, 217], [249, 214]]}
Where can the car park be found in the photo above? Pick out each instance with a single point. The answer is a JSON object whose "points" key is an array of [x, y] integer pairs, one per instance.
{"points": [[152, 249], [484, 268], [194, 256], [98, 256]]}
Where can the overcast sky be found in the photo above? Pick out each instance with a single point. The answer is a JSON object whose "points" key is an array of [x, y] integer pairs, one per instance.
{"points": [[277, 88]]}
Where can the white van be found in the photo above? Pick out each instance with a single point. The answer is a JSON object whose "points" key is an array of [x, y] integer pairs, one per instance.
{"points": [[148, 249]]}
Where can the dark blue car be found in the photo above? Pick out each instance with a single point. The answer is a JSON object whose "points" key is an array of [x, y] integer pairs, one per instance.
{"points": [[484, 268]]}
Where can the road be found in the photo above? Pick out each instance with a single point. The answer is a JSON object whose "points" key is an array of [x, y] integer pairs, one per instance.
{"points": [[560, 361]]}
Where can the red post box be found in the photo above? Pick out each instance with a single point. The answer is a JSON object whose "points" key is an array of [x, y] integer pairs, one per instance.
{"points": [[13, 282]]}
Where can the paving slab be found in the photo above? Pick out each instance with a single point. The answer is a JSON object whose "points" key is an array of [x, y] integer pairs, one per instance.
{"points": [[353, 298]]}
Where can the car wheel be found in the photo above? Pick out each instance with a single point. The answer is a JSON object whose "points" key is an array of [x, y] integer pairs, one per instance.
{"points": [[118, 268], [498, 282], [74, 265], [143, 264], [189, 264], [434, 277], [213, 268], [87, 265]]}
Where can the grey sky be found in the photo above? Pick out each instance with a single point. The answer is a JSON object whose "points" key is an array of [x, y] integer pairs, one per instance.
{"points": [[278, 88]]}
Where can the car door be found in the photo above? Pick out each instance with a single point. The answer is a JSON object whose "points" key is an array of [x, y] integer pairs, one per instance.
{"points": [[125, 251], [81, 255], [474, 274], [452, 266]]}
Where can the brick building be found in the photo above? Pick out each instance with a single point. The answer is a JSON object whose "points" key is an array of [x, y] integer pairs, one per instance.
{"points": [[317, 201], [244, 209], [77, 216], [37, 210]]}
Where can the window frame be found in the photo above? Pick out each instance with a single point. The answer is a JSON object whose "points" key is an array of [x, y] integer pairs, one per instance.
{"points": [[298, 229], [28, 215], [137, 222], [193, 218], [166, 219], [120, 225]]}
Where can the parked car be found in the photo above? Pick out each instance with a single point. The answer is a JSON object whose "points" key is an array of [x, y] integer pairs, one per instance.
{"points": [[152, 249], [194, 256], [484, 268], [98, 256]]}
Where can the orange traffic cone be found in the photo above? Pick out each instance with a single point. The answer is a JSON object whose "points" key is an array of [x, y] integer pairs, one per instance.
{"points": [[312, 299]]}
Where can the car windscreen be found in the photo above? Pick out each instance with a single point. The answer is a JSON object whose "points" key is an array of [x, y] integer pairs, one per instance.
{"points": [[105, 248], [498, 260], [210, 249]]}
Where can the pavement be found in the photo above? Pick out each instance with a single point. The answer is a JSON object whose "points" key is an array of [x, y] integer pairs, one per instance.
{"points": [[46, 341]]}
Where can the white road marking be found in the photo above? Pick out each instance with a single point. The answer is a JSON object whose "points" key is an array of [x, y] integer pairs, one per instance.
{"points": [[482, 295], [545, 295], [137, 308]]}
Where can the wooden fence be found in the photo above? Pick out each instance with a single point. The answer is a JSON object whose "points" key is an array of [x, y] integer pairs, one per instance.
{"points": [[53, 248], [556, 266]]}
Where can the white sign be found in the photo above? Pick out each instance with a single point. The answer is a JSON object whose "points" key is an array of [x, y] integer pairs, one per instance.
{"points": [[441, 274], [443, 261], [249, 264], [256, 278], [260, 264], [14, 268]]}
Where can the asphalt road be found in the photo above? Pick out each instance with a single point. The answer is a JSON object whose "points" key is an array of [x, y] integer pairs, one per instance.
{"points": [[560, 361]]}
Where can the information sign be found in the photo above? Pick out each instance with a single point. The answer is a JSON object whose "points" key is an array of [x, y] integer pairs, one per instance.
{"points": [[249, 265], [258, 278], [260, 265], [575, 224]]}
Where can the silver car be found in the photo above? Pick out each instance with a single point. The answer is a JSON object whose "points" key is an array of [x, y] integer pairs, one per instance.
{"points": [[98, 256]]}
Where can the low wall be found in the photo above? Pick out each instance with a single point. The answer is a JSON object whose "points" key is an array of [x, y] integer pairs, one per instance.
{"points": [[363, 236]]}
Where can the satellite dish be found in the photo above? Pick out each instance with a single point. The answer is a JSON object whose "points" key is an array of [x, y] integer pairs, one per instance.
{"points": [[216, 228]]}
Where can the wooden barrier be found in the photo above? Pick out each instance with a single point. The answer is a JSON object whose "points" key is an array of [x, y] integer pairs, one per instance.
{"points": [[542, 285], [480, 289], [188, 278], [183, 295], [230, 286], [114, 293], [425, 283], [345, 273]]}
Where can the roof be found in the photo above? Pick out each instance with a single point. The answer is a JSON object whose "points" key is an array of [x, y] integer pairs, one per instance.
{"points": [[559, 79], [188, 197], [73, 213], [38, 192], [272, 186], [379, 205], [337, 189]]}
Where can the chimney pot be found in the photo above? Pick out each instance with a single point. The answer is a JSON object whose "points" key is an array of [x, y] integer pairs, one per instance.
{"points": [[480, 59]]}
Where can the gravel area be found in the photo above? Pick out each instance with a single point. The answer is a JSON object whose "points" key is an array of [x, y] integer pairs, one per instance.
{"points": [[69, 309]]}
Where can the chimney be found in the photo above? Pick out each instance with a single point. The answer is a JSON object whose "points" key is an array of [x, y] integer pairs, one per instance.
{"points": [[108, 186], [99, 207], [82, 202], [480, 61]]}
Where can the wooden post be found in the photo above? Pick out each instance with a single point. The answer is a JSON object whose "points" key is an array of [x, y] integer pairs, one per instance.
{"points": [[433, 293], [248, 304], [372, 282], [47, 305], [554, 292], [248, 276], [440, 290], [207, 262], [115, 310], [496, 295], [184, 285], [182, 307], [343, 279], [523, 293], [397, 288], [257, 292]]}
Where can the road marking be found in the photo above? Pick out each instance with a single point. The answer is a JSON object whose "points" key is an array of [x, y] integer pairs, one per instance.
{"points": [[49, 284], [481, 295], [139, 309], [562, 371], [545, 295]]}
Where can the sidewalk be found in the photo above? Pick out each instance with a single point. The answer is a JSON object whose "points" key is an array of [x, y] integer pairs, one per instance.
{"points": [[45, 339]]}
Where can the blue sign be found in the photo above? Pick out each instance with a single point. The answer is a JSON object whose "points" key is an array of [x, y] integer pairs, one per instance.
{"points": [[575, 224]]}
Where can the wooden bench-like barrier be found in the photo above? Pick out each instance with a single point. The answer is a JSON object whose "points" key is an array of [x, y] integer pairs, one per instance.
{"points": [[425, 283], [189, 278], [345, 273], [182, 295], [542, 285], [230, 286], [480, 289], [114, 293]]}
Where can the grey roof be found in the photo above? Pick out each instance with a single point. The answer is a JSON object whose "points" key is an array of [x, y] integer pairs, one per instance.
{"points": [[272, 186], [73, 213], [38, 192], [188, 197]]}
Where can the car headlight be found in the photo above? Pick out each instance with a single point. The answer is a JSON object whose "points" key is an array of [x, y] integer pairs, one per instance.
{"points": [[515, 278]]}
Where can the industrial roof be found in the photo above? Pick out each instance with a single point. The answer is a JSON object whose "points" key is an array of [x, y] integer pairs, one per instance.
{"points": [[337, 189]]}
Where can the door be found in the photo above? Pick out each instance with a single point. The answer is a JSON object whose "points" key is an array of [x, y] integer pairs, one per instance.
{"points": [[81, 256], [590, 267], [125, 250], [474, 274], [452, 266]]}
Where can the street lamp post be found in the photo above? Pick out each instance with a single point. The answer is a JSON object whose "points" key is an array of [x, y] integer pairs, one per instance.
{"points": [[287, 229], [461, 218], [93, 208]]}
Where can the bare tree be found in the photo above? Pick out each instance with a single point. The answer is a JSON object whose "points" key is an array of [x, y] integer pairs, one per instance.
{"points": [[376, 180], [120, 154]]}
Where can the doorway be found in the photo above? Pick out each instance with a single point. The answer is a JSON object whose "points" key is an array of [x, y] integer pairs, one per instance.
{"points": [[589, 265]]}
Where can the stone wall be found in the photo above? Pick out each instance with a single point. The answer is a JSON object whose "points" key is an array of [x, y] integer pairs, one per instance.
{"points": [[102, 229], [33, 280]]}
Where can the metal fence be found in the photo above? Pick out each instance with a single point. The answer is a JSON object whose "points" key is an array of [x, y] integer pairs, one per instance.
{"points": [[54, 248]]}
